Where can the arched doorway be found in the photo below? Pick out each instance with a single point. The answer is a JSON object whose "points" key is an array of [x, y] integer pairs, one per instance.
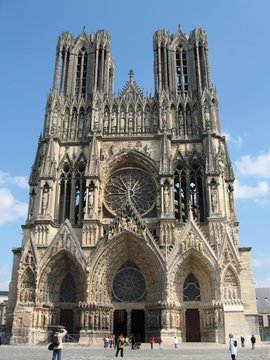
{"points": [[67, 297], [192, 294], [63, 287], [129, 291], [192, 318]]}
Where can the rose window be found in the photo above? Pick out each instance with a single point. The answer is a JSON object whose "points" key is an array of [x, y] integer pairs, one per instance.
{"points": [[130, 184], [129, 285]]}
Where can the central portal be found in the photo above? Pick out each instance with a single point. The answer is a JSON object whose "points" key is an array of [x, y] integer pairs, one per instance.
{"points": [[66, 319], [120, 322], [130, 322], [138, 325]]}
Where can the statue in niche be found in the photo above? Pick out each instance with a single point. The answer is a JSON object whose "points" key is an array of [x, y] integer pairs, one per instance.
{"points": [[214, 199], [213, 111], [163, 116], [65, 125], [167, 201], [54, 120], [113, 121], [91, 199], [122, 121], [230, 192], [45, 201], [139, 120], [96, 119], [206, 117], [106, 121], [181, 123], [130, 120], [147, 121], [73, 125], [196, 128], [32, 202], [189, 122], [81, 125], [214, 196]]}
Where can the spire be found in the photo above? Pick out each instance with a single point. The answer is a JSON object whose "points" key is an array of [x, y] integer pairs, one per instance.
{"points": [[131, 74]]}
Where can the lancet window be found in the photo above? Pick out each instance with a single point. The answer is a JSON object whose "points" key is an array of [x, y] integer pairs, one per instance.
{"points": [[181, 70], [72, 194], [81, 72], [188, 192], [63, 70]]}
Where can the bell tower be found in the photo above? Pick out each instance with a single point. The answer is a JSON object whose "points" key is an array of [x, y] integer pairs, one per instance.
{"points": [[131, 224]]}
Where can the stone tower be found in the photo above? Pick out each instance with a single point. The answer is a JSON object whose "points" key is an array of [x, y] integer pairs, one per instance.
{"points": [[131, 225]]}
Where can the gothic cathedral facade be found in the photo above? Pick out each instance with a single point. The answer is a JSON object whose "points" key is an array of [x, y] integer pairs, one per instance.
{"points": [[131, 226]]}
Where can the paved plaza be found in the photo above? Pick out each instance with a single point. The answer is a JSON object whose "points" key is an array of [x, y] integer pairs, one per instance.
{"points": [[185, 351]]}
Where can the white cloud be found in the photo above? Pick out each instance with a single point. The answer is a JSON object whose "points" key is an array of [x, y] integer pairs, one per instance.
{"points": [[19, 181], [255, 165], [243, 191], [235, 141], [10, 208]]}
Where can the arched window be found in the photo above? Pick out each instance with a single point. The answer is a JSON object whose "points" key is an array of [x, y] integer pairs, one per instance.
{"points": [[81, 124], [80, 193], [81, 73], [65, 193], [188, 191], [191, 289], [68, 290], [180, 194], [181, 70]]}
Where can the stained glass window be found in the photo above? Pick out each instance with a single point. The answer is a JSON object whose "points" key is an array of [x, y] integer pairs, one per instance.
{"points": [[191, 289], [129, 284]]}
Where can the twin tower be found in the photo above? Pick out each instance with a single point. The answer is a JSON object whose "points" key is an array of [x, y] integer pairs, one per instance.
{"points": [[131, 226]]}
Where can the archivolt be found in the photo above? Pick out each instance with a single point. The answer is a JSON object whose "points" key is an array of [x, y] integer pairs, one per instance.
{"points": [[52, 276], [121, 249], [194, 262]]}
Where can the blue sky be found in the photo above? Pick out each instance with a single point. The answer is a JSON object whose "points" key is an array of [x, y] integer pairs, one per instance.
{"points": [[238, 34]]}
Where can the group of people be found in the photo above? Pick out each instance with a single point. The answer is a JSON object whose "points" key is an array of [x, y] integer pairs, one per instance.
{"points": [[159, 341], [233, 344], [112, 340], [119, 343]]}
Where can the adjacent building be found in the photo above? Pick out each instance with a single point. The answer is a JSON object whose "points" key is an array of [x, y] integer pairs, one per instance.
{"points": [[131, 225], [263, 306]]}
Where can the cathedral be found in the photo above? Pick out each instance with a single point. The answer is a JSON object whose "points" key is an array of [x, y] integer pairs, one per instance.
{"points": [[131, 224]]}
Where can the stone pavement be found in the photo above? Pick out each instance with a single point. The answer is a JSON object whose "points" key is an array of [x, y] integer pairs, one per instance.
{"points": [[185, 351]]}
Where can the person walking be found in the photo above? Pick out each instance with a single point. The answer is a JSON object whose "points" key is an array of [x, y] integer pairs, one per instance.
{"points": [[175, 341], [253, 342], [242, 341], [232, 347], [159, 343], [120, 346], [58, 343], [151, 341]]}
